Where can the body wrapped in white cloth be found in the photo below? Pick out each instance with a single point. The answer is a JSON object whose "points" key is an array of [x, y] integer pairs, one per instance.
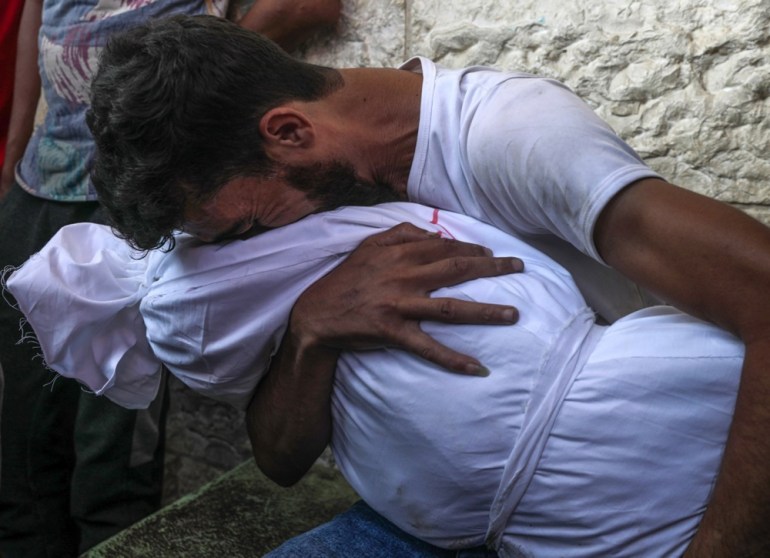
{"points": [[584, 440]]}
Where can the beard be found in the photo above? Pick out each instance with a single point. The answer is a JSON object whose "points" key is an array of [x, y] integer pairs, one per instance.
{"points": [[333, 184]]}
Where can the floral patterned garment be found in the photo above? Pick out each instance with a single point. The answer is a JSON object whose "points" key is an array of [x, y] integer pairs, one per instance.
{"points": [[73, 32]]}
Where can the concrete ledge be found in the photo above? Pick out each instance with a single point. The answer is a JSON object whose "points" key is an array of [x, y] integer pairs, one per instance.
{"points": [[240, 514]]}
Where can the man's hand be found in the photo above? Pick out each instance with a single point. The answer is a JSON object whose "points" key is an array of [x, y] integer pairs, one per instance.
{"points": [[378, 296], [375, 298]]}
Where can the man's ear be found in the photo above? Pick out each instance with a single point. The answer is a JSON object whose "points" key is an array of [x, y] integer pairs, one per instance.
{"points": [[285, 130]]}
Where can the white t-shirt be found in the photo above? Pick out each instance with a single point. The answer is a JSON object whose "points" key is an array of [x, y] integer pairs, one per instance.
{"points": [[525, 154], [583, 441]]}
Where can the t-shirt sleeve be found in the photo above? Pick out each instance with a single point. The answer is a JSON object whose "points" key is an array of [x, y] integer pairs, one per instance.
{"points": [[541, 158]]}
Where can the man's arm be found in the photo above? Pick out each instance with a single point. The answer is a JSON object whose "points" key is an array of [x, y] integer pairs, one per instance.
{"points": [[290, 22], [713, 261], [375, 298], [26, 91]]}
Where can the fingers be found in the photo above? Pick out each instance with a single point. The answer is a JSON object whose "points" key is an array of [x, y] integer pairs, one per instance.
{"points": [[406, 245], [453, 271], [454, 311], [418, 241], [418, 342], [435, 248], [400, 234]]}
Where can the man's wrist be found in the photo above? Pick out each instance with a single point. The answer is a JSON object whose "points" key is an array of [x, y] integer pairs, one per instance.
{"points": [[305, 345]]}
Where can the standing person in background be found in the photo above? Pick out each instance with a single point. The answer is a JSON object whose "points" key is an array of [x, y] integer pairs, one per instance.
{"points": [[76, 468], [9, 32]]}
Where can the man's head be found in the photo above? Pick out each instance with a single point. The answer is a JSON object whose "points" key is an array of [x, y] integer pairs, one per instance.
{"points": [[175, 114]]}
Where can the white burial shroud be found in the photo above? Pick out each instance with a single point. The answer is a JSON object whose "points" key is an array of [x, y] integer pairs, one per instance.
{"points": [[583, 441]]}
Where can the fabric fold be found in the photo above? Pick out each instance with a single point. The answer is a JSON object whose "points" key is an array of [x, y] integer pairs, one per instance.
{"points": [[81, 296]]}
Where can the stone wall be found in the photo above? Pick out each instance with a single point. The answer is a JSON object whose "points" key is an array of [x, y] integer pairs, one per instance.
{"points": [[685, 82]]}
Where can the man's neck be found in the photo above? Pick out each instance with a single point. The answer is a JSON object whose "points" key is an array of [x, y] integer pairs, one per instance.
{"points": [[380, 109]]}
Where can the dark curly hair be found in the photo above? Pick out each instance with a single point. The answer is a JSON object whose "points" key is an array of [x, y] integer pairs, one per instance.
{"points": [[175, 111]]}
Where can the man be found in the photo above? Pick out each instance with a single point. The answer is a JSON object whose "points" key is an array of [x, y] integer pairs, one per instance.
{"points": [[76, 468], [516, 151]]}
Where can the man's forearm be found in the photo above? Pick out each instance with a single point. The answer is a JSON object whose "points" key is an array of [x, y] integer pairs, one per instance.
{"points": [[289, 418], [289, 24], [737, 520]]}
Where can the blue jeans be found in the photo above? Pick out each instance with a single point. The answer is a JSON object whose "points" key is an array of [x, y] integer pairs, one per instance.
{"points": [[360, 532]]}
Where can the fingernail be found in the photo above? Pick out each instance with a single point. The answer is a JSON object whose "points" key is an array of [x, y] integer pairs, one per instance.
{"points": [[510, 315], [517, 264], [477, 370]]}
